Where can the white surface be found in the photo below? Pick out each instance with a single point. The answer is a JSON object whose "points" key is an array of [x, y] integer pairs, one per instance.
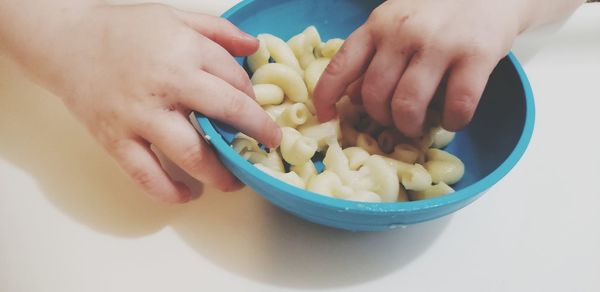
{"points": [[71, 221]]}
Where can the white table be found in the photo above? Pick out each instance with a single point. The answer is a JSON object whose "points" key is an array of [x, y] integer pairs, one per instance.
{"points": [[71, 221]]}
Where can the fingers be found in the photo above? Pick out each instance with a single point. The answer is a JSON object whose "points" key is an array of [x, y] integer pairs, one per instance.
{"points": [[177, 140], [415, 90], [221, 31], [217, 99], [222, 65], [466, 84], [354, 89], [380, 82], [346, 67], [139, 162]]}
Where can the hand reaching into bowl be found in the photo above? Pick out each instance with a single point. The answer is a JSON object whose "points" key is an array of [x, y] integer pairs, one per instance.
{"points": [[395, 62], [132, 74]]}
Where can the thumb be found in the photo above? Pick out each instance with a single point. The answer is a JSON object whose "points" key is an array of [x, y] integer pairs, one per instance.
{"points": [[221, 31]]}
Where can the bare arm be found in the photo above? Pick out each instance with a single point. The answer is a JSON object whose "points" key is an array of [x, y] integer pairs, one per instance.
{"points": [[132, 74]]}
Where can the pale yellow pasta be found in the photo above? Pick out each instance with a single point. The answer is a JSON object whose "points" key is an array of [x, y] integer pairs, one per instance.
{"points": [[433, 191], [248, 148], [280, 51], [347, 193], [313, 73], [349, 134], [293, 116], [268, 94], [441, 137], [304, 44], [406, 153], [305, 171], [367, 142], [356, 157], [326, 183], [400, 166], [295, 148], [416, 178], [273, 161], [362, 168], [444, 167], [274, 111], [283, 76], [290, 178], [385, 180], [321, 133], [330, 48], [260, 58], [311, 106]]}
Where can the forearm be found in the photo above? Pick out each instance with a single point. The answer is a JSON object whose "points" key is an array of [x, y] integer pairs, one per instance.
{"points": [[35, 33], [539, 12], [28, 27]]}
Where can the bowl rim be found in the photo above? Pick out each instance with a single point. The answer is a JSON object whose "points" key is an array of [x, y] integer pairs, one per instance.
{"points": [[469, 192]]}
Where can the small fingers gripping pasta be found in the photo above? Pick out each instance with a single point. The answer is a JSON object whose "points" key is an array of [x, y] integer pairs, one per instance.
{"points": [[313, 73], [373, 164], [260, 58], [295, 148]]}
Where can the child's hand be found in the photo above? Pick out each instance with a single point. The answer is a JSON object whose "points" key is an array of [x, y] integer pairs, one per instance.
{"points": [[132, 74], [407, 47]]}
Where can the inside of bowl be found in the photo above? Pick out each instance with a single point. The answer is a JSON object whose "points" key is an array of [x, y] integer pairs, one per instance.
{"points": [[483, 145]]}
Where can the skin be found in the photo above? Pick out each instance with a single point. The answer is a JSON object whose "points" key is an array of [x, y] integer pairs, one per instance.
{"points": [[132, 74], [395, 62]]}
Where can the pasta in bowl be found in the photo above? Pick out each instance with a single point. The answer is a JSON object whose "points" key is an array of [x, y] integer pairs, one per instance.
{"points": [[363, 176]]}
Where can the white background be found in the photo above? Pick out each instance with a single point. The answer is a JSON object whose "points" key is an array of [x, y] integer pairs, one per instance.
{"points": [[71, 221]]}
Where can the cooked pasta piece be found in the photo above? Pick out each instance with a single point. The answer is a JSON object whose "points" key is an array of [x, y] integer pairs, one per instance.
{"points": [[290, 178], [293, 116], [441, 137], [268, 94], [356, 157], [295, 148], [280, 51], [406, 153], [305, 171], [260, 58], [444, 167], [385, 180], [283, 76], [388, 139], [322, 133], [303, 45], [330, 48], [313, 73], [433, 191], [416, 178], [324, 184]]}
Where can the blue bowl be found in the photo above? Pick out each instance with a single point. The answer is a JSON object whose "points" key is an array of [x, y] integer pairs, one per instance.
{"points": [[490, 146]]}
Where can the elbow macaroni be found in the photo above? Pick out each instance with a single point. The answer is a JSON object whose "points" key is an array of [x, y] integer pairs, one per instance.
{"points": [[374, 163]]}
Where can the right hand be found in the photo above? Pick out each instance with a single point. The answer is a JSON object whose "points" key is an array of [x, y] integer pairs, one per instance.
{"points": [[132, 74]]}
